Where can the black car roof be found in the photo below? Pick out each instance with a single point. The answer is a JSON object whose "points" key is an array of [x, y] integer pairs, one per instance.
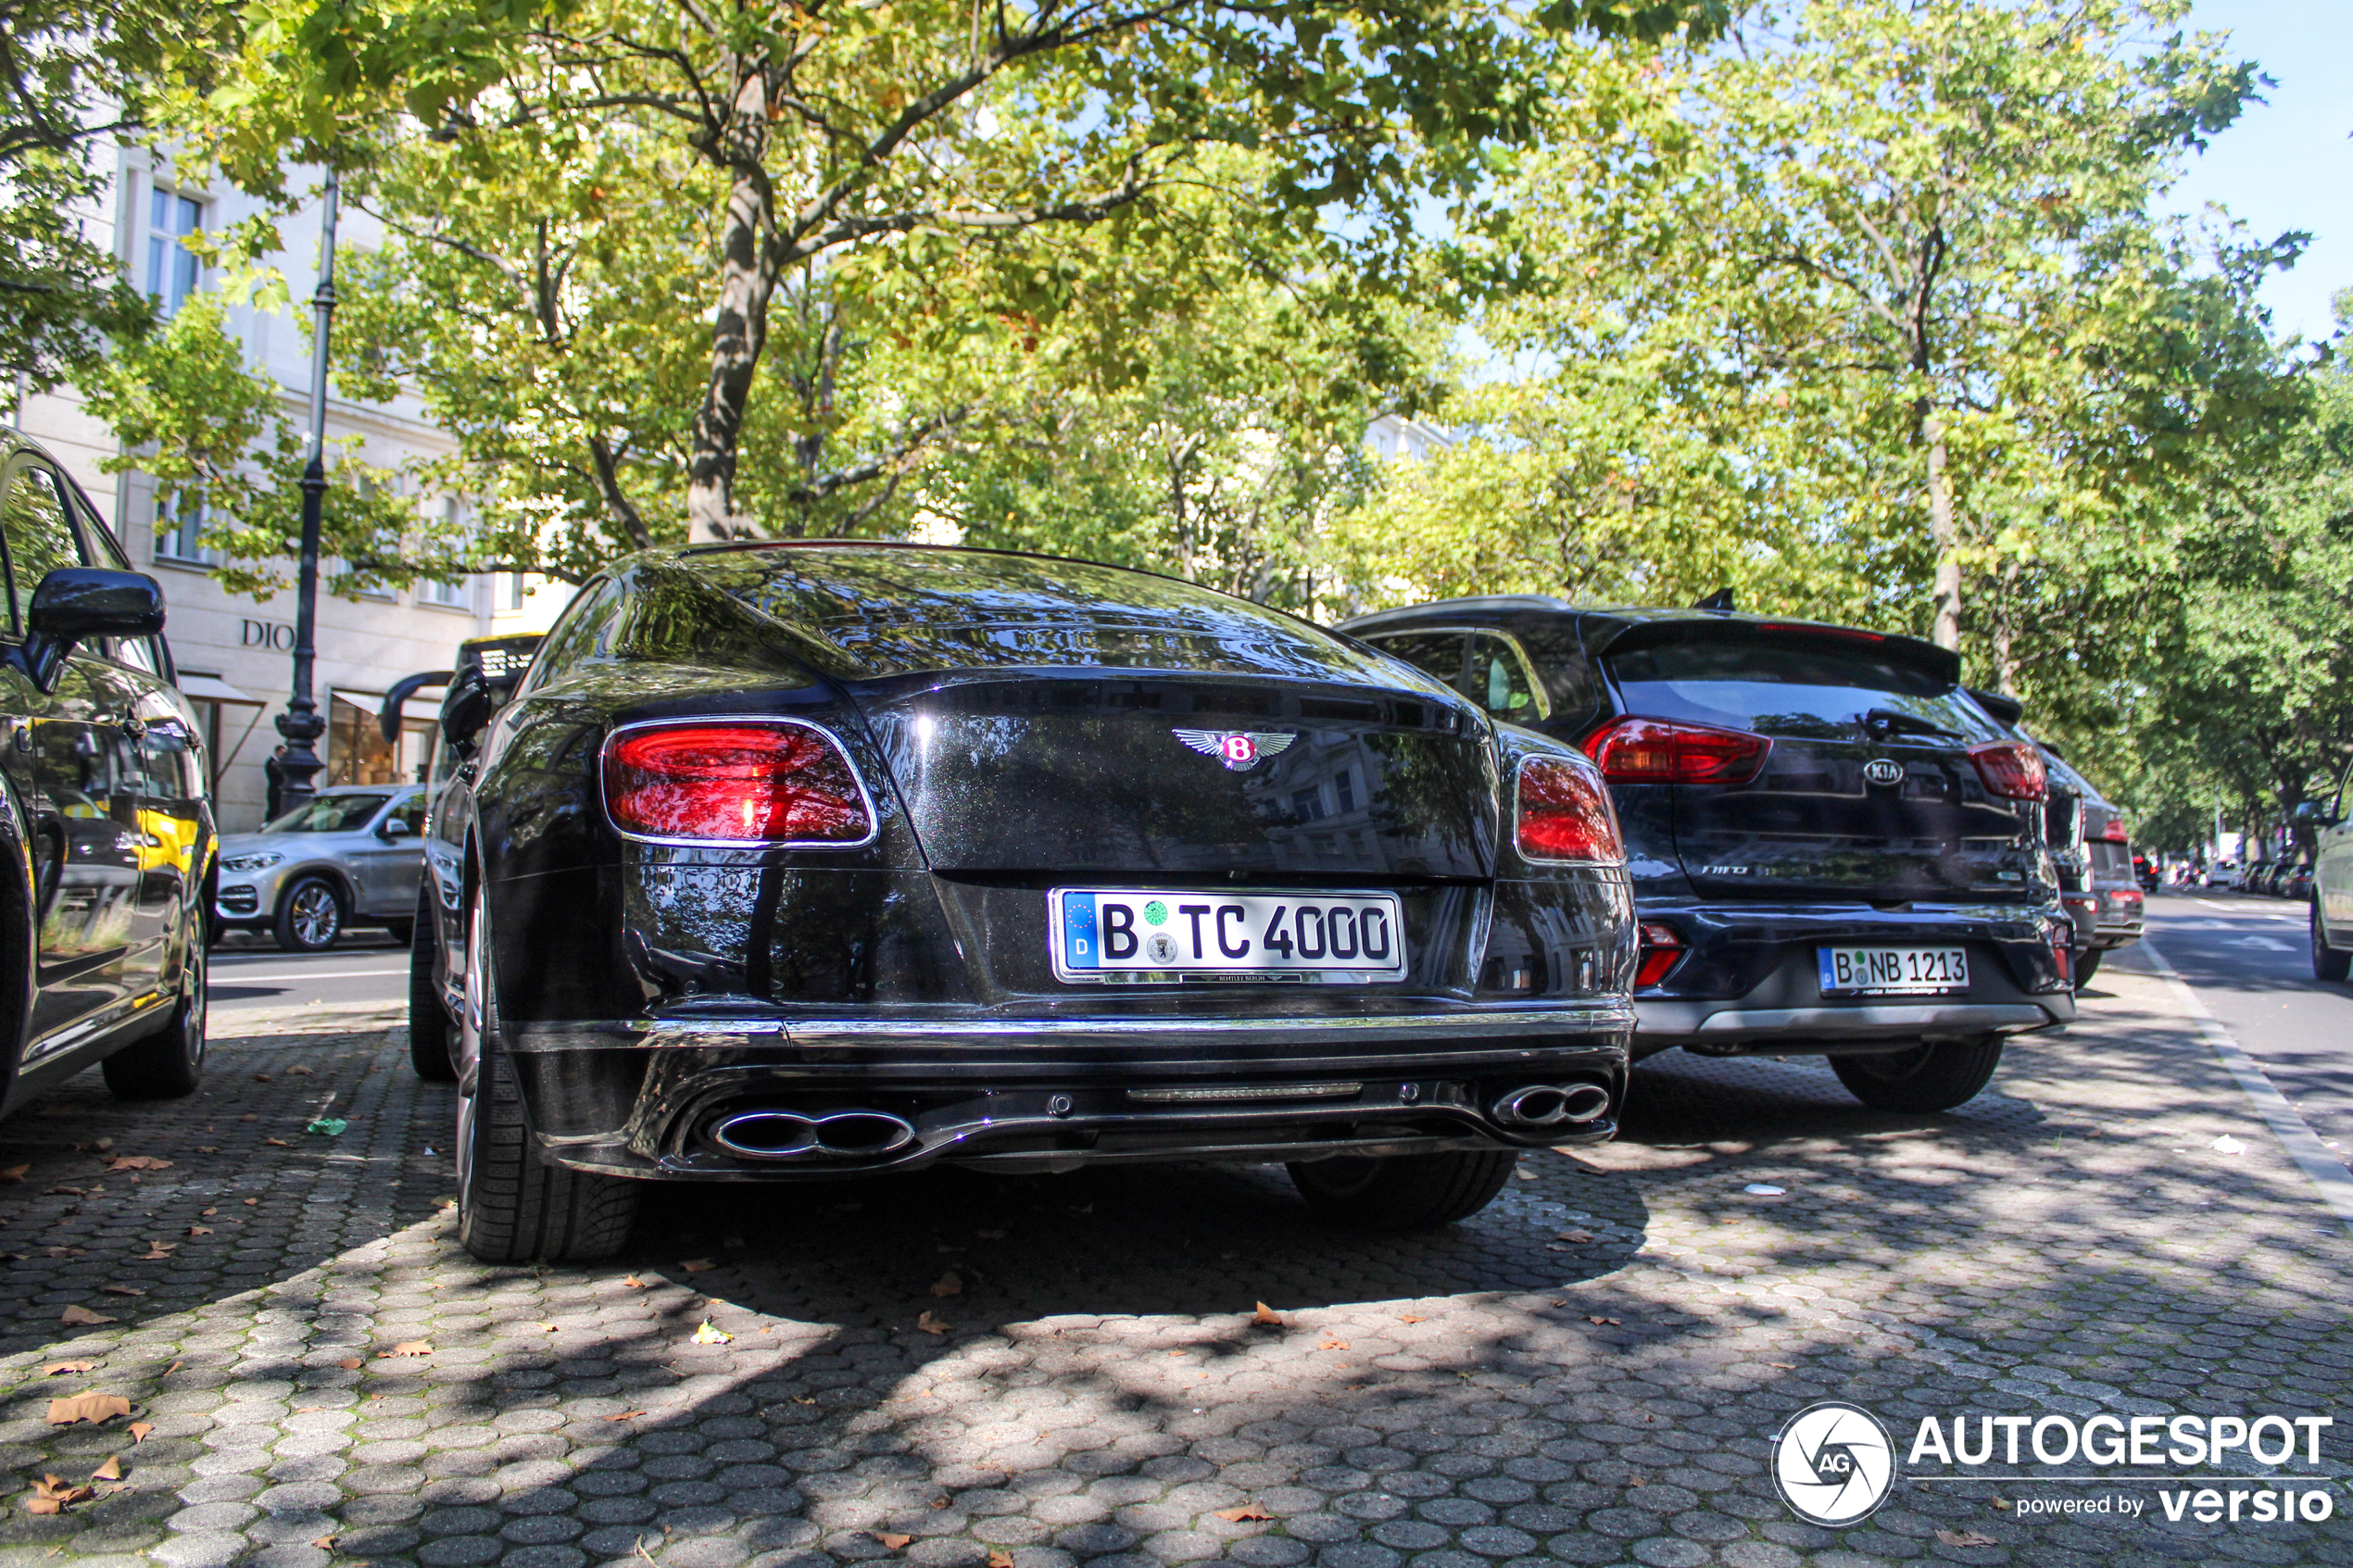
{"points": [[1604, 626]]}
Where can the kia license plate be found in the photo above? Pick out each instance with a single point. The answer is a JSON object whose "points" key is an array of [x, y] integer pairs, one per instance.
{"points": [[1893, 971], [1116, 936]]}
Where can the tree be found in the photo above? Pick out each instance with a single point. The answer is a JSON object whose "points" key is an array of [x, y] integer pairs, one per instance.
{"points": [[1894, 266], [845, 152]]}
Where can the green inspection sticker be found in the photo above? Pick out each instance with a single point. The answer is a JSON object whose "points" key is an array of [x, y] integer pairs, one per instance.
{"points": [[1155, 913]]}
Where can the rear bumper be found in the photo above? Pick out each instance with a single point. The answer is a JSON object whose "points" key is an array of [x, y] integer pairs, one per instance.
{"points": [[1750, 981], [650, 1098]]}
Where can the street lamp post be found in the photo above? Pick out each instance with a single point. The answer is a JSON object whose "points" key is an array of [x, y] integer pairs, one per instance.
{"points": [[300, 722]]}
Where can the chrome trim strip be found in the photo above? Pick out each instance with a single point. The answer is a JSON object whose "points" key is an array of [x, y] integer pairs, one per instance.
{"points": [[1848, 1020], [1242, 1092], [1472, 1023], [754, 845]]}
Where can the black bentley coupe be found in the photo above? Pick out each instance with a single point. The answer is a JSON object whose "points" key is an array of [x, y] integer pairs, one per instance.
{"points": [[811, 860]]}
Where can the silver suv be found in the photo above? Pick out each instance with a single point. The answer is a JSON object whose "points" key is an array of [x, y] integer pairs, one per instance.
{"points": [[348, 856]]}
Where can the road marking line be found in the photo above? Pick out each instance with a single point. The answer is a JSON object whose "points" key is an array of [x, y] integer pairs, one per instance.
{"points": [[238, 976], [2288, 1125]]}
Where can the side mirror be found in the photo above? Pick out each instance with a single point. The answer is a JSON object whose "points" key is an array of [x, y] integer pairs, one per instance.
{"points": [[2316, 813], [393, 828], [76, 603], [466, 709]]}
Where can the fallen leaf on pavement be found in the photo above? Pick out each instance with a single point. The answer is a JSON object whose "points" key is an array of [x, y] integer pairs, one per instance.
{"points": [[408, 1348], [1243, 1514], [2002, 1503], [172, 1368], [930, 1324], [139, 1430], [300, 1072], [123, 1289], [626, 1415], [1000, 1557], [54, 1368], [251, 1201], [87, 1407], [1411, 1317], [157, 1251], [325, 1543], [698, 1265], [280, 1143], [199, 1230], [633, 1283], [939, 1502], [1525, 1175], [1963, 1538], [1579, 1238], [110, 1471], [261, 1077], [208, 1149], [82, 1317], [137, 1162], [206, 1213], [1638, 1480], [1267, 1317], [893, 1542], [65, 1251], [947, 1284], [1783, 1366], [545, 1327], [14, 1173], [351, 1363], [708, 1334], [1331, 1344], [53, 1496], [1592, 1319]]}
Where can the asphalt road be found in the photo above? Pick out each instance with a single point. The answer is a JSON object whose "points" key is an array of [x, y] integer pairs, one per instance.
{"points": [[249, 973], [2248, 961]]}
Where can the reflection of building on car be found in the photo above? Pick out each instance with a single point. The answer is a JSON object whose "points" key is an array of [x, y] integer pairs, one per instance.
{"points": [[803, 861], [345, 857], [1833, 851], [106, 830]]}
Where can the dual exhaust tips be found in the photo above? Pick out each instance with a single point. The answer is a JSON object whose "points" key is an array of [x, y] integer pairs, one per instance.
{"points": [[1552, 1105]]}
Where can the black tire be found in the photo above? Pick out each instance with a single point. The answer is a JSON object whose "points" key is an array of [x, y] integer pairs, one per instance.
{"points": [[432, 1051], [310, 915], [1403, 1192], [1928, 1077], [2087, 966], [168, 1064], [2328, 963], [511, 1206]]}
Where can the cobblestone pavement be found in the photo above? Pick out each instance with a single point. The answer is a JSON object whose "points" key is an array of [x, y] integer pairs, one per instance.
{"points": [[1097, 1390]]}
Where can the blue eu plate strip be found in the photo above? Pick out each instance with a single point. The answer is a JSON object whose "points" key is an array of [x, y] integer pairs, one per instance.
{"points": [[1079, 950]]}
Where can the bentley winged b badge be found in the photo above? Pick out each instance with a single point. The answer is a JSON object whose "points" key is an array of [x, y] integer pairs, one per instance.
{"points": [[1239, 749]]}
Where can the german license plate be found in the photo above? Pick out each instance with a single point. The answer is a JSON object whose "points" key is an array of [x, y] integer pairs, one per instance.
{"points": [[1893, 971], [1110, 935]]}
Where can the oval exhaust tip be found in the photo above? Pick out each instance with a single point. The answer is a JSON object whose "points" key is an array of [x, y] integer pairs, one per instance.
{"points": [[1550, 1105], [862, 1133], [796, 1135], [765, 1135], [1584, 1102]]}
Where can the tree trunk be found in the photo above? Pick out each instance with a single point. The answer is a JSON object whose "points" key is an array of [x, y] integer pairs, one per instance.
{"points": [[1944, 534], [739, 331], [2004, 622]]}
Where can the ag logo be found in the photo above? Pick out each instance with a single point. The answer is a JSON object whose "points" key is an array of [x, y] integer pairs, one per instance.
{"points": [[1239, 749], [1883, 771], [1833, 1463]]}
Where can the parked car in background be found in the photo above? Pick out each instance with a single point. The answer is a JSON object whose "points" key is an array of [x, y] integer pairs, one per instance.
{"points": [[2121, 906], [105, 825], [2332, 916], [348, 856], [2298, 885], [797, 860], [1833, 851]]}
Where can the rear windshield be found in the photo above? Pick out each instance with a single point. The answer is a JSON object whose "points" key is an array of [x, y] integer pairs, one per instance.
{"points": [[1819, 694], [2110, 858]]}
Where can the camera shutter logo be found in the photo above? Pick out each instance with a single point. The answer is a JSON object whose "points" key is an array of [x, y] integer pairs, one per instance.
{"points": [[1883, 771], [1833, 1463]]}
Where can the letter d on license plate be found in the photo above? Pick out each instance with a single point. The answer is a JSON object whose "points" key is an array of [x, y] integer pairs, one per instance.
{"points": [[1114, 935]]}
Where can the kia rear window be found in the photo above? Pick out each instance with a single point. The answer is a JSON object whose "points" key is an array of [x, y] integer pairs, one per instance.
{"points": [[1803, 693]]}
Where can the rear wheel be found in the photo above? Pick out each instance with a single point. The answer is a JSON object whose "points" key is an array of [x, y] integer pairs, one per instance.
{"points": [[512, 1208], [431, 1048], [1930, 1077], [1403, 1192], [169, 1064], [2328, 963], [311, 916], [2087, 966]]}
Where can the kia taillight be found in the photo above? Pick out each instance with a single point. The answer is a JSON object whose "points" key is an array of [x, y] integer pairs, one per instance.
{"points": [[1654, 751], [759, 781], [1662, 948], [1563, 813], [2011, 769]]}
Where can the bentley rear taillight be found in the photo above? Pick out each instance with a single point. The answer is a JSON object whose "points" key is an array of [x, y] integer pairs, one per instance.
{"points": [[762, 781], [1563, 813], [1654, 751], [2012, 769]]}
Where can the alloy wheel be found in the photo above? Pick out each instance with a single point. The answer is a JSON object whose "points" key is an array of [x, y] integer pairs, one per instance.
{"points": [[195, 973], [470, 1046], [317, 916]]}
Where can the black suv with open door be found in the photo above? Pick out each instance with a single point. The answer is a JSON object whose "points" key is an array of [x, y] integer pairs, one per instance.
{"points": [[1835, 851]]}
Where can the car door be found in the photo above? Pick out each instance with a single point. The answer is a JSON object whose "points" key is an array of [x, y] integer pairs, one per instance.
{"points": [[74, 763], [2333, 871], [387, 868]]}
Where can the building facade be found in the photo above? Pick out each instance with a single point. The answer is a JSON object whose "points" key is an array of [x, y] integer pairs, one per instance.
{"points": [[234, 652]]}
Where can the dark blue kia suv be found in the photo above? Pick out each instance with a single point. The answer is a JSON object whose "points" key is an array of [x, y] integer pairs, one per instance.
{"points": [[1835, 851]]}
